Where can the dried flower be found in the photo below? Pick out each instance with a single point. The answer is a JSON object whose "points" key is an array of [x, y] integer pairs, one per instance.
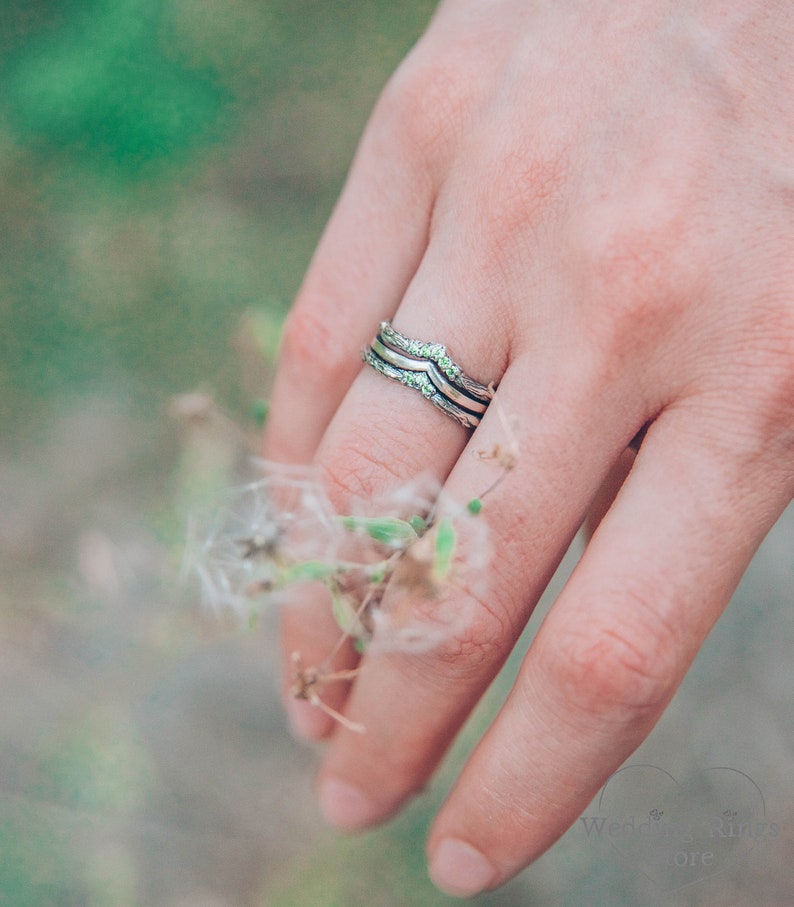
{"points": [[394, 576]]}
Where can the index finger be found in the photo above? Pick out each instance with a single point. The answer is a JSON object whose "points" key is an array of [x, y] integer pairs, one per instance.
{"points": [[363, 264], [366, 258]]}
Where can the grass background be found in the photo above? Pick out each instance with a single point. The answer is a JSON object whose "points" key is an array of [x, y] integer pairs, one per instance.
{"points": [[165, 171]]}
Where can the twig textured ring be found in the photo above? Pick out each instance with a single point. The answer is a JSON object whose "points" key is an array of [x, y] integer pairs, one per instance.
{"points": [[429, 369]]}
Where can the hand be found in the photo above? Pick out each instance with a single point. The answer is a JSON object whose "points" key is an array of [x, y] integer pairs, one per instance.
{"points": [[592, 205]]}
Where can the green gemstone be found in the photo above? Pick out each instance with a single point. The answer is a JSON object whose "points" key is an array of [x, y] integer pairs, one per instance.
{"points": [[451, 372], [413, 348], [445, 362]]}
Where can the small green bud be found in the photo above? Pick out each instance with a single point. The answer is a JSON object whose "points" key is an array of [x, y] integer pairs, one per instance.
{"points": [[259, 411]]}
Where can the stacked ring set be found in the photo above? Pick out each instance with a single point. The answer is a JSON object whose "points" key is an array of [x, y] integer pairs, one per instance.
{"points": [[428, 369]]}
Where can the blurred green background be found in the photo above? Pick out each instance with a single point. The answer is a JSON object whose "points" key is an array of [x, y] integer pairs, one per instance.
{"points": [[165, 167], [165, 171]]}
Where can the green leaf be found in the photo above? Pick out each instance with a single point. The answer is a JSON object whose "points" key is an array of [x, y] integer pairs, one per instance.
{"points": [[387, 530], [445, 547]]}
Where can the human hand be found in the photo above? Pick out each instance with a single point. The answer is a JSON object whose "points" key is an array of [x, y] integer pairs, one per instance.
{"points": [[592, 205]]}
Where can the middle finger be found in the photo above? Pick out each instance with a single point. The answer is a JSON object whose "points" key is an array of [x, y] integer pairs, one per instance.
{"points": [[413, 704]]}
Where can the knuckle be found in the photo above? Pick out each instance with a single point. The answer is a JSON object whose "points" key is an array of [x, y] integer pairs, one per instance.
{"points": [[636, 278], [311, 348], [423, 105], [621, 673], [630, 288], [358, 469], [464, 654], [372, 462], [476, 647]]}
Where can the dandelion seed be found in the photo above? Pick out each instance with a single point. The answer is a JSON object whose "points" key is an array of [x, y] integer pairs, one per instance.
{"points": [[412, 501], [435, 584], [403, 576], [214, 560], [258, 544], [415, 573], [273, 532]]}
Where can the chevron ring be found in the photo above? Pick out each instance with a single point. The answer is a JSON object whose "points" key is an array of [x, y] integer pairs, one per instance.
{"points": [[429, 369]]}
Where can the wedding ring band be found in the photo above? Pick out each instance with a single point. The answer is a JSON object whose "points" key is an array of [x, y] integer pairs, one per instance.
{"points": [[428, 369]]}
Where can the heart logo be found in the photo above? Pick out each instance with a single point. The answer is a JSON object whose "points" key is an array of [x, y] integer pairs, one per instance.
{"points": [[678, 833]]}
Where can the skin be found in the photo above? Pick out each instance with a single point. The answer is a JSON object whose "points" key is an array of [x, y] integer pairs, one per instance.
{"points": [[592, 204]]}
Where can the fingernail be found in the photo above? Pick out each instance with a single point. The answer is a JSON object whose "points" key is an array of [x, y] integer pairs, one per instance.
{"points": [[459, 869], [305, 721], [343, 805]]}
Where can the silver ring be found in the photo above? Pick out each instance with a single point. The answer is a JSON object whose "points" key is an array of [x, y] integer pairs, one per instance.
{"points": [[429, 369]]}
